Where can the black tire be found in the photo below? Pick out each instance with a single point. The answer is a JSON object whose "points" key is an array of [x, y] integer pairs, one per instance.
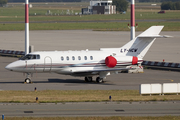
{"points": [[99, 80], [27, 80], [88, 79]]}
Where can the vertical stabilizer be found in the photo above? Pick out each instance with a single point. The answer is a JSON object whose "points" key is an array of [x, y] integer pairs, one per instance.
{"points": [[140, 45]]}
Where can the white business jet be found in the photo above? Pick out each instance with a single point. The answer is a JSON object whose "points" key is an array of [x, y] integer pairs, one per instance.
{"points": [[87, 63]]}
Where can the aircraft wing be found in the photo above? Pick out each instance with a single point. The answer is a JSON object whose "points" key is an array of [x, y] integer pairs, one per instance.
{"points": [[97, 71]]}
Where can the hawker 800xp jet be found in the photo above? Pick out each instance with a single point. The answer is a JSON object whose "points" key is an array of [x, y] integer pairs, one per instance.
{"points": [[88, 63]]}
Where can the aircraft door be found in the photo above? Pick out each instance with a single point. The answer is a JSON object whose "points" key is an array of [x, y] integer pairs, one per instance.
{"points": [[47, 64]]}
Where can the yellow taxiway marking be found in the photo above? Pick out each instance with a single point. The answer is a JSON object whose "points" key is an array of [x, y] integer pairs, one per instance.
{"points": [[171, 80], [168, 79]]}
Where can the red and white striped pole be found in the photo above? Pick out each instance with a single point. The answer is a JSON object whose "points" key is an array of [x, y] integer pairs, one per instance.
{"points": [[26, 27], [132, 19]]}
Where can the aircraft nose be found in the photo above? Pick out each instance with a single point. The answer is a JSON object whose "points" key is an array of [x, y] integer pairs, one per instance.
{"points": [[9, 67]]}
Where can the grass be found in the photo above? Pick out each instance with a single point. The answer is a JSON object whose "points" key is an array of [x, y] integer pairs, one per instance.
{"points": [[95, 118], [55, 96], [15, 13], [103, 26], [58, 14]]}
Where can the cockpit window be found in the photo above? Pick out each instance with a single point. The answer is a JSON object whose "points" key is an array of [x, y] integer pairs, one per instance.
{"points": [[30, 57]]}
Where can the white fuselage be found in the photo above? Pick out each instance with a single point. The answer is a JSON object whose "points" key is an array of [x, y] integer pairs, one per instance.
{"points": [[68, 62]]}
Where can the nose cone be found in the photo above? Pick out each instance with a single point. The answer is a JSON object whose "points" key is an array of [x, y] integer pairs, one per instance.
{"points": [[9, 67], [13, 66], [16, 66]]}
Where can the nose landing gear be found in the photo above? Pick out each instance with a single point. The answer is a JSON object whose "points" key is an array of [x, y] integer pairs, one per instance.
{"points": [[28, 78]]}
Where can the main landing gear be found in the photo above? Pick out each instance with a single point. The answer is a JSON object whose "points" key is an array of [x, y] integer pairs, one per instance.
{"points": [[88, 79], [98, 79]]}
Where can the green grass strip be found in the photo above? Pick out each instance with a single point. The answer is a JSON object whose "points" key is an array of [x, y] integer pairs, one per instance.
{"points": [[18, 14], [103, 26], [55, 96]]}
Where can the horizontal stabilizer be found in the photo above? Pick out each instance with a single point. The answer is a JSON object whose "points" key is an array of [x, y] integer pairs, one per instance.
{"points": [[152, 31], [155, 36]]}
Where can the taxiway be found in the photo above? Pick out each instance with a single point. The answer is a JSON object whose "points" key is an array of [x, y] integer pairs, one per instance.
{"points": [[91, 109]]}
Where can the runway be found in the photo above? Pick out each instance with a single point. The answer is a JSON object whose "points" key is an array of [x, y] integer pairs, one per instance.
{"points": [[91, 109]]}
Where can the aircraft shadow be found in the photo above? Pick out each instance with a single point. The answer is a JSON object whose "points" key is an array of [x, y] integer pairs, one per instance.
{"points": [[65, 80], [76, 81]]}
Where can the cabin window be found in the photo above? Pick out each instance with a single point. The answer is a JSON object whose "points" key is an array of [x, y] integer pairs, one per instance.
{"points": [[73, 58], [79, 57], [62, 58], [67, 58], [85, 57], [91, 57], [30, 57], [37, 56]]}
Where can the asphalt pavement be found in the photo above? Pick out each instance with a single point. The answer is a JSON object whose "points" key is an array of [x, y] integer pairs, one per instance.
{"points": [[167, 49], [91, 109]]}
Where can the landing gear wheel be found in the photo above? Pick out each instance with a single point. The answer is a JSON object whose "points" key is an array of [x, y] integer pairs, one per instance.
{"points": [[27, 80], [88, 79], [99, 80]]}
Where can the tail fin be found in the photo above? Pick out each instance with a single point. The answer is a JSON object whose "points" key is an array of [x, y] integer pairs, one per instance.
{"points": [[140, 45]]}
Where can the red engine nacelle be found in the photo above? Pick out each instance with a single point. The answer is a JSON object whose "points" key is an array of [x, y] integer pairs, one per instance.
{"points": [[134, 60], [110, 61]]}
